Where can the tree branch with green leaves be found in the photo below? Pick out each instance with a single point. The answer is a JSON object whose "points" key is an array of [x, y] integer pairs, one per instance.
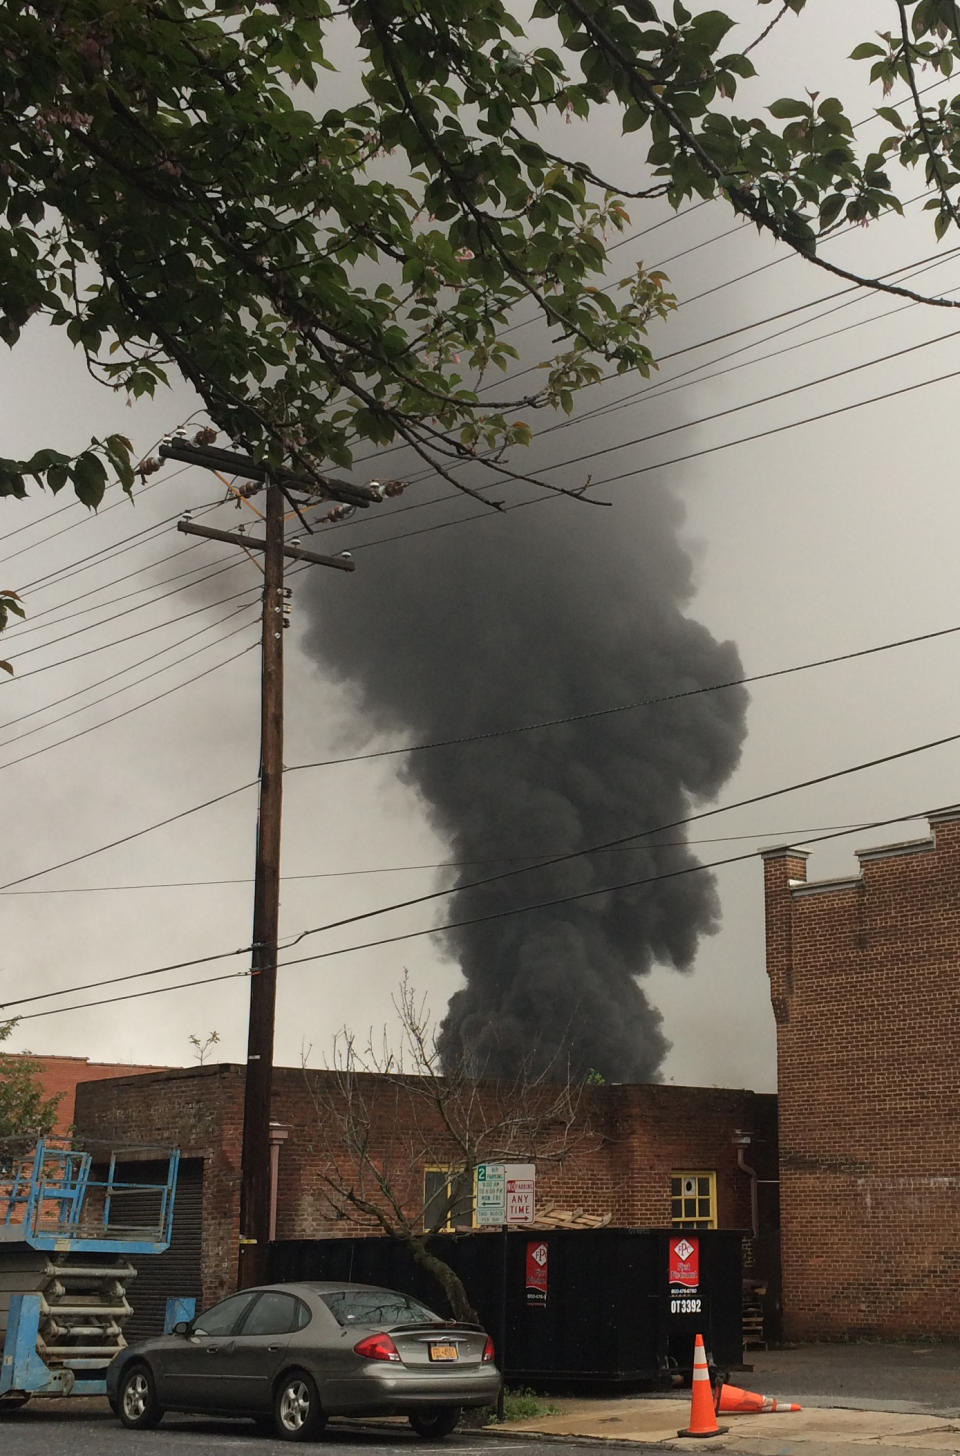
{"points": [[178, 198]]}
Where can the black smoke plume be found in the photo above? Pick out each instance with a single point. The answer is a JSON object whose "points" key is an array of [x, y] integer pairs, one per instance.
{"points": [[549, 612]]}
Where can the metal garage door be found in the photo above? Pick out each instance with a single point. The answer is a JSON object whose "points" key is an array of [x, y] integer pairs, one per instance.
{"points": [[177, 1272]]}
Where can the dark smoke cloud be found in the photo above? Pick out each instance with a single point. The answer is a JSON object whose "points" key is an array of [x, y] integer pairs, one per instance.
{"points": [[547, 613]]}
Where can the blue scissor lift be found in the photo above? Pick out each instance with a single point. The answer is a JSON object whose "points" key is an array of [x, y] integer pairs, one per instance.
{"points": [[72, 1226]]}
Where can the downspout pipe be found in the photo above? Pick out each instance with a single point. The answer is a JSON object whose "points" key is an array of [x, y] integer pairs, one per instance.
{"points": [[278, 1135], [754, 1200]]}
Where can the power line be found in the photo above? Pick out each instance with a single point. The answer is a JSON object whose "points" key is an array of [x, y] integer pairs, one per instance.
{"points": [[746, 681], [663, 464], [95, 702], [135, 995], [136, 834], [132, 542], [755, 403], [392, 939], [91, 728], [131, 637], [621, 840], [739, 682], [672, 383], [115, 581], [33, 624], [151, 602], [792, 836], [95, 515], [128, 543], [665, 386], [111, 677]]}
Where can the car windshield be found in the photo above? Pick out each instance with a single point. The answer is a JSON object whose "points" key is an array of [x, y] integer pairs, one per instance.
{"points": [[376, 1307]]}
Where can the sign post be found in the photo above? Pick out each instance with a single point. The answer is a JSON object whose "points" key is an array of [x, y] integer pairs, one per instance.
{"points": [[506, 1195]]}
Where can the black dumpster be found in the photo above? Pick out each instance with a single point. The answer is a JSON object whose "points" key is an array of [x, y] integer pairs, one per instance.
{"points": [[565, 1307]]}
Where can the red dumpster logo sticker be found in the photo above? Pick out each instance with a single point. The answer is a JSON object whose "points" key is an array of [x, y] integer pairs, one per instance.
{"points": [[685, 1262], [536, 1280]]}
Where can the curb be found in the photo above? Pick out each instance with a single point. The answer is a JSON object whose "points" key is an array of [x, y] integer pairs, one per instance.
{"points": [[621, 1442]]}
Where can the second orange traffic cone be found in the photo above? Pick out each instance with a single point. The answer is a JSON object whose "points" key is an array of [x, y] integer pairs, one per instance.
{"points": [[703, 1417], [734, 1401]]}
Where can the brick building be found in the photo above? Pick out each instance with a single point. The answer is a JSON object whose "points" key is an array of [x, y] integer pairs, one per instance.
{"points": [[864, 983], [631, 1153], [59, 1077]]}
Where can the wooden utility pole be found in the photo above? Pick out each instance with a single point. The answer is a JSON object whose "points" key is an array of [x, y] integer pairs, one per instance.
{"points": [[257, 1087], [258, 1083]]}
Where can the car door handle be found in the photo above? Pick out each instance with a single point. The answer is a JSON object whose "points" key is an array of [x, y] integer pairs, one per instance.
{"points": [[272, 1349]]}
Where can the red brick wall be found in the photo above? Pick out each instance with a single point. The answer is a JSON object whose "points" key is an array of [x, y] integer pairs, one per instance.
{"points": [[863, 978], [617, 1158], [199, 1110], [60, 1076]]}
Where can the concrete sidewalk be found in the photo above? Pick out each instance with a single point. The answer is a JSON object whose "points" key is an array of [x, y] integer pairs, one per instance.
{"points": [[809, 1432], [898, 1399]]}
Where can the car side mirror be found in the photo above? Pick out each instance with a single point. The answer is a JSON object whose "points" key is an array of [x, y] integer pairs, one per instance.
{"points": [[182, 1327]]}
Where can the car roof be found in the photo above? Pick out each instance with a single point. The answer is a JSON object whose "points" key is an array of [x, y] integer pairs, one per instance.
{"points": [[327, 1286]]}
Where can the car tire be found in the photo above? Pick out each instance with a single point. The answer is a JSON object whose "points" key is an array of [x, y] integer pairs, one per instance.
{"points": [[297, 1412], [137, 1406], [434, 1424]]}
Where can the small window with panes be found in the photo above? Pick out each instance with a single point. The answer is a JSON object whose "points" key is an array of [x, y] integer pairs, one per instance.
{"points": [[693, 1200]]}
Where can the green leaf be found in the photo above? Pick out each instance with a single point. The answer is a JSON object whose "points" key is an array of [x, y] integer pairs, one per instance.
{"points": [[786, 108], [89, 479]]}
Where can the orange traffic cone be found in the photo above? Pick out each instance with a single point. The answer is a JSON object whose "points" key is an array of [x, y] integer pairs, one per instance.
{"points": [[734, 1401], [703, 1417]]}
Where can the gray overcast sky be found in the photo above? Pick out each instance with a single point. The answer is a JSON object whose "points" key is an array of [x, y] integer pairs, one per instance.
{"points": [[828, 538]]}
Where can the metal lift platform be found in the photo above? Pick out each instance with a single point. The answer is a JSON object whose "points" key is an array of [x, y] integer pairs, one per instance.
{"points": [[74, 1222]]}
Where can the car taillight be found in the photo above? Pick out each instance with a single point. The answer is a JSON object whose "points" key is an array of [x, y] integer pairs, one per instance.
{"points": [[379, 1347], [488, 1351]]}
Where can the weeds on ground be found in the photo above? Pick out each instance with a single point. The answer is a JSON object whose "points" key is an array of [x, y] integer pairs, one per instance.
{"points": [[524, 1405]]}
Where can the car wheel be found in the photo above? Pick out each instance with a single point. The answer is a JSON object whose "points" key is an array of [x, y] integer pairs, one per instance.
{"points": [[297, 1412], [434, 1424], [137, 1404]]}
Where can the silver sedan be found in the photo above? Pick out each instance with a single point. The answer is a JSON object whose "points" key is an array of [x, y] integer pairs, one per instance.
{"points": [[290, 1355]]}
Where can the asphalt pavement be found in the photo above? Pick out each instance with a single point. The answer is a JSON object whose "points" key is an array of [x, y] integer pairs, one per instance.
{"points": [[913, 1377], [898, 1400], [88, 1428]]}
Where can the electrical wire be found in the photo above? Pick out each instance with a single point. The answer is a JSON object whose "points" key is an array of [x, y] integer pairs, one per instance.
{"points": [[783, 393], [746, 681], [664, 386], [433, 895], [116, 581], [386, 940], [663, 464], [92, 515], [131, 637], [106, 697], [151, 602], [791, 836], [33, 623], [136, 707], [111, 677], [119, 548], [136, 834], [495, 733]]}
